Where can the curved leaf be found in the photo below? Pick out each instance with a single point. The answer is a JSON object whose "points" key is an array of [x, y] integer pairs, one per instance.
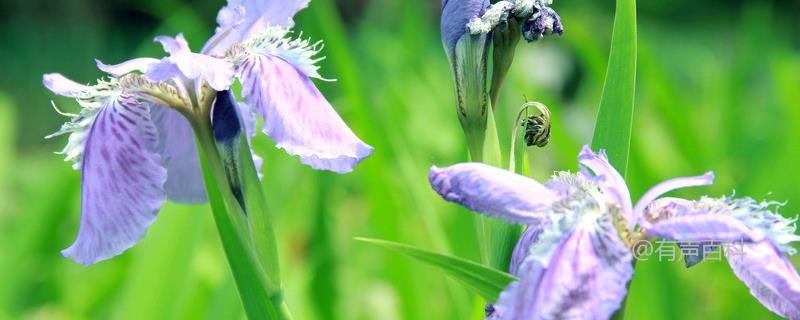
{"points": [[484, 281]]}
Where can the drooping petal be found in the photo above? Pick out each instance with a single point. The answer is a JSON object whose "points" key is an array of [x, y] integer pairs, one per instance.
{"points": [[670, 185], [583, 277], [137, 64], [91, 100], [297, 117], [176, 145], [770, 276], [122, 182], [455, 16], [611, 181], [242, 19], [717, 218], [182, 63], [494, 192]]}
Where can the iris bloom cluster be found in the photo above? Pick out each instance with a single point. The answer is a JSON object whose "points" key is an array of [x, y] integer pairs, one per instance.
{"points": [[134, 141], [575, 258]]}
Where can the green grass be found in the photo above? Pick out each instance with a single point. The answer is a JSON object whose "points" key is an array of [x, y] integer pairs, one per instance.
{"points": [[716, 90]]}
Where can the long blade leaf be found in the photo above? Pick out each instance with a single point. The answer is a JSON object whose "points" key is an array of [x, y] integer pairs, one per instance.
{"points": [[484, 281], [615, 118]]}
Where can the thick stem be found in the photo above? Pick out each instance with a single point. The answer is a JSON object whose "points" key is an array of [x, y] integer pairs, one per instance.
{"points": [[499, 237]]}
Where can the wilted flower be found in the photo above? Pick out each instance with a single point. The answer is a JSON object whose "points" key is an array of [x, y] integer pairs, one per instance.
{"points": [[133, 138], [535, 17], [467, 28], [575, 257]]}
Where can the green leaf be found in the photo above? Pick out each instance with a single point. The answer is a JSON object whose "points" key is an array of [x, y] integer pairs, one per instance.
{"points": [[615, 118], [485, 281]]}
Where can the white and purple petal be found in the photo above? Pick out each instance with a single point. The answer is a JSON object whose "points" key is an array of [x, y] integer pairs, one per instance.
{"points": [[178, 150], [242, 19], [529, 238], [703, 227], [184, 64], [91, 100], [62, 86], [137, 64], [122, 182], [175, 45], [770, 276], [584, 277], [667, 186], [494, 192], [296, 115], [609, 180]]}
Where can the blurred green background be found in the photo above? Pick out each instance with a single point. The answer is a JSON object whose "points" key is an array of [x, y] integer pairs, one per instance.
{"points": [[718, 89]]}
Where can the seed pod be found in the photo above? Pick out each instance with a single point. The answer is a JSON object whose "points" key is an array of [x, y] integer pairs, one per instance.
{"points": [[537, 127], [537, 131]]}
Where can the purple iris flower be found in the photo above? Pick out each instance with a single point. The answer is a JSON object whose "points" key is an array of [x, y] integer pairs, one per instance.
{"points": [[575, 258], [133, 138]]}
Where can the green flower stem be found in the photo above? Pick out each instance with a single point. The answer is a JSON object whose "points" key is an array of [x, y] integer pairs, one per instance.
{"points": [[499, 237], [259, 290]]}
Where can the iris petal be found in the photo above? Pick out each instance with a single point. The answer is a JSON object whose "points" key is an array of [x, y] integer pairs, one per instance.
{"points": [[178, 151], [182, 63], [242, 19], [670, 185], [770, 276], [611, 183], [296, 115], [494, 192], [136, 64], [703, 227], [585, 277], [122, 182], [60, 85], [529, 238]]}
